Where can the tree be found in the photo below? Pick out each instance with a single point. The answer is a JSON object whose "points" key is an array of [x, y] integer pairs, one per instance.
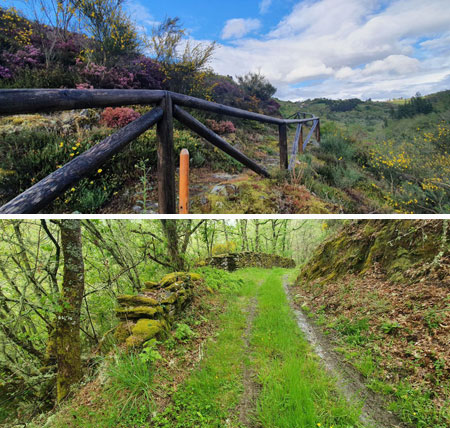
{"points": [[111, 28], [68, 343], [178, 235], [185, 66], [256, 85]]}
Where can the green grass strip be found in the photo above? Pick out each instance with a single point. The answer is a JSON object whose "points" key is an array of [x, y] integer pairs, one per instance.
{"points": [[213, 390], [296, 391]]}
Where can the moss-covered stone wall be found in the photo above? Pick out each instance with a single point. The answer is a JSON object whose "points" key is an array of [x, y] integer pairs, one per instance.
{"points": [[233, 261], [150, 313], [401, 249]]}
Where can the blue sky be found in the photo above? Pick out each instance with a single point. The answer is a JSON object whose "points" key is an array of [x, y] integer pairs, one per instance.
{"points": [[377, 49]]}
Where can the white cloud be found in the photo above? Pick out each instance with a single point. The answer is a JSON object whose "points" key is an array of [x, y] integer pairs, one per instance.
{"points": [[141, 15], [239, 27], [264, 6], [349, 48]]}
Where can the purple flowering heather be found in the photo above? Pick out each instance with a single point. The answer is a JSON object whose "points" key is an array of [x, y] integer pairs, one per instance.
{"points": [[5, 73], [28, 56]]}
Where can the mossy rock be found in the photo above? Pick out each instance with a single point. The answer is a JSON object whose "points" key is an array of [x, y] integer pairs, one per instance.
{"points": [[129, 300], [144, 330], [140, 312], [170, 300], [123, 331], [151, 285], [178, 277]]}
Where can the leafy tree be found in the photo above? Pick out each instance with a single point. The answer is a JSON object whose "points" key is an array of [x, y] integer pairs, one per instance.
{"points": [[184, 64], [256, 85], [113, 31]]}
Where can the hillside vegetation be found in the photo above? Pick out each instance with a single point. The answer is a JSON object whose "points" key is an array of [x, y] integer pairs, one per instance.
{"points": [[381, 289]]}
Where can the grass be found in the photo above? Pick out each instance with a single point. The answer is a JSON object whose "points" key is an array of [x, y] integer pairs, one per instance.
{"points": [[296, 392]]}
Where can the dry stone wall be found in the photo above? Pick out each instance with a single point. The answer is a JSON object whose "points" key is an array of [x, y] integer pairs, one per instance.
{"points": [[150, 313], [233, 261]]}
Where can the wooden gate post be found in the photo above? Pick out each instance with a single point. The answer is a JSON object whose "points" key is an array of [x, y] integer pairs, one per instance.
{"points": [[166, 161], [283, 146]]}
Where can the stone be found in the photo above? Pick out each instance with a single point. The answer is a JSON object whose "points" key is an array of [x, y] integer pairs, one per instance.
{"points": [[130, 300], [144, 330], [225, 189], [140, 312]]}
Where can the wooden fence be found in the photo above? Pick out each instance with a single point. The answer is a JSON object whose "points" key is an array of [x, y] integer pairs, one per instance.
{"points": [[168, 106]]}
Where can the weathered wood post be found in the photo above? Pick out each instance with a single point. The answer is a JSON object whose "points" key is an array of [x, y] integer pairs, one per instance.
{"points": [[318, 131], [166, 161], [283, 146], [300, 141]]}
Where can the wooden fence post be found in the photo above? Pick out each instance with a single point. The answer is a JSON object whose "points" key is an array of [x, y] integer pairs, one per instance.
{"points": [[283, 146], [166, 161], [300, 141]]}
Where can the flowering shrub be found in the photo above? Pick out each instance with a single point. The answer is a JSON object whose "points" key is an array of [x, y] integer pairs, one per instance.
{"points": [[148, 73], [5, 73], [99, 76], [222, 127], [118, 117], [29, 56]]}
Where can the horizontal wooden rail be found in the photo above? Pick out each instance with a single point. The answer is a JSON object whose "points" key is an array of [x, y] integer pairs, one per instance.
{"points": [[19, 101], [45, 191], [198, 127], [23, 101]]}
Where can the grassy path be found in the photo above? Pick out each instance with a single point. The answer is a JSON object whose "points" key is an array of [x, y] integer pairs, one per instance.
{"points": [[259, 371]]}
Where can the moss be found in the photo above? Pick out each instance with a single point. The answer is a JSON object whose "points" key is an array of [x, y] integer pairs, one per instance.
{"points": [[123, 330], [170, 300], [139, 312], [128, 300], [151, 285], [178, 277], [145, 330]]}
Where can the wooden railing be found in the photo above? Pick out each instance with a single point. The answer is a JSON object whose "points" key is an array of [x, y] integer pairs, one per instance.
{"points": [[168, 106]]}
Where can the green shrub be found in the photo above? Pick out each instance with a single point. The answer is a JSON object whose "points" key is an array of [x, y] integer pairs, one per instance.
{"points": [[183, 332], [339, 146]]}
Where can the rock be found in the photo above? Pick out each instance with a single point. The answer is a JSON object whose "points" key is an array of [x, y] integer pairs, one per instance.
{"points": [[244, 259], [137, 209], [225, 190], [140, 312], [145, 330], [129, 300], [151, 285], [143, 317], [123, 330]]}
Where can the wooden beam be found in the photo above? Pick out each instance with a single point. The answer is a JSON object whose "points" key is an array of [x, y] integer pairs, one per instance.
{"points": [[296, 145], [18, 101], [187, 101], [166, 159], [198, 127], [283, 146], [45, 191], [311, 132]]}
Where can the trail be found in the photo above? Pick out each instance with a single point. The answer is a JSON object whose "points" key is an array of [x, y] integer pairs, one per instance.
{"points": [[349, 381], [247, 405]]}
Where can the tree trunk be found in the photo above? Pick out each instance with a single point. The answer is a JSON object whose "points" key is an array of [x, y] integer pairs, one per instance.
{"points": [[171, 233], [68, 344]]}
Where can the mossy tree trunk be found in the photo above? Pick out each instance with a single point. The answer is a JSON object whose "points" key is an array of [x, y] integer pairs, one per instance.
{"points": [[68, 344]]}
